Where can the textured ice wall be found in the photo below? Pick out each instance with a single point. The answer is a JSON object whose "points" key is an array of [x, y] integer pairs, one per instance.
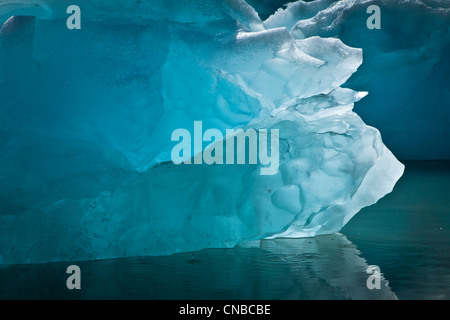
{"points": [[87, 115], [406, 68]]}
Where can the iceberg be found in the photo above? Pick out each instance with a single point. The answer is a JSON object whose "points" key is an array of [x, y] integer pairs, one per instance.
{"points": [[86, 118]]}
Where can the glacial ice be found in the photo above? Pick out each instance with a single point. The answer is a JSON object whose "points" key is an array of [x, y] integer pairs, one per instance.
{"points": [[406, 68], [86, 118]]}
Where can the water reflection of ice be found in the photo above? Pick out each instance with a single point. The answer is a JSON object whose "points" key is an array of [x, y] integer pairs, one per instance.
{"points": [[325, 267]]}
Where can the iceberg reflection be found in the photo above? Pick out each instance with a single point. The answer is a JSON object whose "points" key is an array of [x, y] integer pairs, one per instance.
{"points": [[323, 267]]}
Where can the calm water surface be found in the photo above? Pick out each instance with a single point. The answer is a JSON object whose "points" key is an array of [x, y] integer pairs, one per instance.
{"points": [[406, 234]]}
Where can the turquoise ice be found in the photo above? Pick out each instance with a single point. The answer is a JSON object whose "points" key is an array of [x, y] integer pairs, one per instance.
{"points": [[86, 118]]}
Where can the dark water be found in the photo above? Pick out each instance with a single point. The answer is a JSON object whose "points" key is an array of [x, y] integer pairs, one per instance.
{"points": [[406, 234]]}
